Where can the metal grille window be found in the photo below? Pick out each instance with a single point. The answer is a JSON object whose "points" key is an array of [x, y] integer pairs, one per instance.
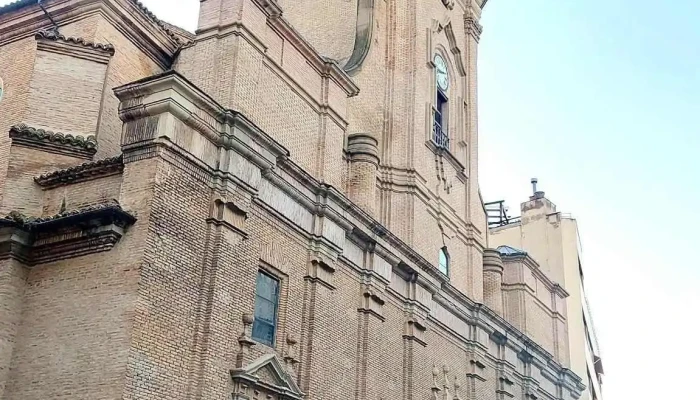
{"points": [[266, 302]]}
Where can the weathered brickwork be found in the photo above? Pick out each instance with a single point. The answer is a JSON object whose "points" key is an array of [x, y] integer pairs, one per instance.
{"points": [[129, 261]]}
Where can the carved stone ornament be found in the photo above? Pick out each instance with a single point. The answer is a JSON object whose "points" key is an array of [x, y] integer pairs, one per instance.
{"points": [[450, 4], [54, 142], [264, 378], [291, 356]]}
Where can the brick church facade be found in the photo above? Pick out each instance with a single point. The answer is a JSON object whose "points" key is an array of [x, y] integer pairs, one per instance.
{"points": [[284, 205]]}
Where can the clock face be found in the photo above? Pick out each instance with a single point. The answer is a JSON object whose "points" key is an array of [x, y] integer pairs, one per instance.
{"points": [[443, 78]]}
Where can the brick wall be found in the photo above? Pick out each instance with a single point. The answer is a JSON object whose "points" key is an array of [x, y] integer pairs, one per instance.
{"points": [[61, 81], [16, 66], [128, 64], [26, 163], [13, 283]]}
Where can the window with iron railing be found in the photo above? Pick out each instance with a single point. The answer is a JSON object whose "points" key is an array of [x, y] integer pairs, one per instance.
{"points": [[440, 136]]}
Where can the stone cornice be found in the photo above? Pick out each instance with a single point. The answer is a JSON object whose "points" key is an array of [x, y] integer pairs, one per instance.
{"points": [[23, 19], [81, 173], [325, 66], [528, 261], [53, 35], [54, 142], [76, 47], [472, 27], [153, 98], [67, 235]]}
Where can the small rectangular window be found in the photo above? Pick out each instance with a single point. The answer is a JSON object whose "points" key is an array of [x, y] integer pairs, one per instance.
{"points": [[266, 302], [444, 261]]}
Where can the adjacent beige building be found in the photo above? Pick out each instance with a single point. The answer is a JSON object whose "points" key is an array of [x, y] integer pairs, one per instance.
{"points": [[551, 238], [283, 205]]}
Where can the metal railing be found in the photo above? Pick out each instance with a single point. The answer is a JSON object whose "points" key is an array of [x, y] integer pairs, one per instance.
{"points": [[440, 137]]}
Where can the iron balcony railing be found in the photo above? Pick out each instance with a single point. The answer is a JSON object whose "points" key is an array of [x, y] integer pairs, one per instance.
{"points": [[440, 137]]}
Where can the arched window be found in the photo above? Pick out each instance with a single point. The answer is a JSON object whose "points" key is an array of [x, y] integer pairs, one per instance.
{"points": [[440, 125], [444, 261]]}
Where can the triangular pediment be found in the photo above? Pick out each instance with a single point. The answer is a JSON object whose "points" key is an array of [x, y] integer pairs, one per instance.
{"points": [[267, 374]]}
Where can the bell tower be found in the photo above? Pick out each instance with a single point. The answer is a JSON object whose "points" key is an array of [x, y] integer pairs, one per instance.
{"points": [[408, 140], [416, 65]]}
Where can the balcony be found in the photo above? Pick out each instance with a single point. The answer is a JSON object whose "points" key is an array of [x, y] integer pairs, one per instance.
{"points": [[440, 137]]}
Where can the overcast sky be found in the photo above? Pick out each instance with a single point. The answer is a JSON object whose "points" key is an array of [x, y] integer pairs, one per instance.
{"points": [[599, 100]]}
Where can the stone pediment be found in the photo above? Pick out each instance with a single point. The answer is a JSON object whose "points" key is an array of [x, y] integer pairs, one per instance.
{"points": [[264, 378]]}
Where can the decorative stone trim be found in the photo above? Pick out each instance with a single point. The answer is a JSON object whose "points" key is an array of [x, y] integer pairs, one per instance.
{"points": [[144, 101], [71, 234], [371, 303], [54, 35], [54, 42], [415, 330], [445, 154], [472, 27], [363, 147], [363, 35], [499, 338], [81, 173], [264, 378], [321, 270], [328, 67], [54, 142], [449, 4], [505, 386], [493, 261], [149, 34]]}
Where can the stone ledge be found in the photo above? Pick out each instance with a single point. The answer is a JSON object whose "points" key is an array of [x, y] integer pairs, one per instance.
{"points": [[67, 235], [81, 173], [54, 35], [54, 42], [54, 142]]}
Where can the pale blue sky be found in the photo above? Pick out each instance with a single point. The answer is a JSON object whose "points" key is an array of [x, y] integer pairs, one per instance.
{"points": [[599, 100]]}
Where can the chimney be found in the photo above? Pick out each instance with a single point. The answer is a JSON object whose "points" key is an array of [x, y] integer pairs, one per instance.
{"points": [[535, 193]]}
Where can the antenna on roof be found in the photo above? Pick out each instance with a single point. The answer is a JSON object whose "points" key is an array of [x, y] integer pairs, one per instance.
{"points": [[534, 185], [55, 25]]}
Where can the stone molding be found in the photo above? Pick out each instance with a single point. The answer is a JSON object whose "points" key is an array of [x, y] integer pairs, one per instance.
{"points": [[329, 68], [363, 147], [449, 4], [410, 181], [493, 261], [472, 26], [54, 42], [81, 173], [22, 19], [71, 234], [54, 142], [363, 36], [446, 154], [149, 106], [530, 263], [265, 375]]}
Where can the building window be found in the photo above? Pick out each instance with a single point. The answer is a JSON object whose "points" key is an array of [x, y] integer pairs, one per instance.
{"points": [[440, 124], [2, 89], [266, 303], [444, 261]]}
